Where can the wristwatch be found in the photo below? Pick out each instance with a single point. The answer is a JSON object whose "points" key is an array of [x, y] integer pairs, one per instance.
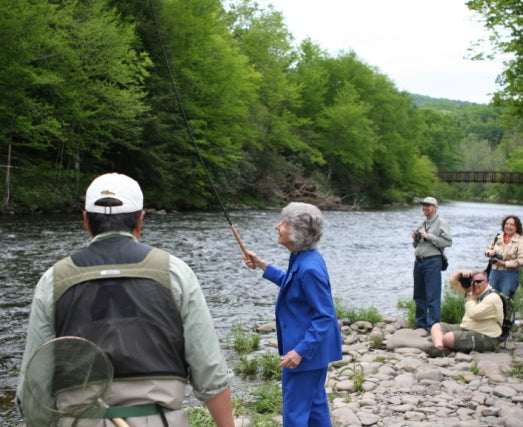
{"points": [[468, 294]]}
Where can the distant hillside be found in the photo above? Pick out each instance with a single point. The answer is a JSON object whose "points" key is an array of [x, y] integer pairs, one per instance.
{"points": [[440, 103]]}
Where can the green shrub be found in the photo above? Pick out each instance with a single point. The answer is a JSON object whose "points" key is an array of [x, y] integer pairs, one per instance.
{"points": [[353, 315], [357, 375], [269, 365], [247, 366], [452, 306], [267, 399], [266, 365], [518, 301], [199, 416], [243, 342], [408, 306]]}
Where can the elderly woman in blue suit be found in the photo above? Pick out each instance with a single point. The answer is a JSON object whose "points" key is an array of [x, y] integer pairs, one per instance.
{"points": [[308, 331]]}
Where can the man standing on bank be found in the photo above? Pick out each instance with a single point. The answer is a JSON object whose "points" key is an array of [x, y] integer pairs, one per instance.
{"points": [[429, 239], [141, 306]]}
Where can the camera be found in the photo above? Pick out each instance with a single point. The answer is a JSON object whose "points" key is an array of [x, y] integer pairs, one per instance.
{"points": [[417, 235], [495, 258], [466, 282]]}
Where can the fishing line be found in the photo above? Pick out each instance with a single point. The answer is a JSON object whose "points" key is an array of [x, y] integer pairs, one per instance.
{"points": [[189, 129]]}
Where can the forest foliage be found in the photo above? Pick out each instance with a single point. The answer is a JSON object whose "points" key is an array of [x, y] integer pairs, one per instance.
{"points": [[86, 90]]}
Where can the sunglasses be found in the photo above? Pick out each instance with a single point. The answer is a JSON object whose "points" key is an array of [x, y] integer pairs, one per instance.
{"points": [[476, 282]]}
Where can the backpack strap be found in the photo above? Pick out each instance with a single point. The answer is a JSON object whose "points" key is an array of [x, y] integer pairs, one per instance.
{"points": [[490, 291], [489, 265], [487, 293]]}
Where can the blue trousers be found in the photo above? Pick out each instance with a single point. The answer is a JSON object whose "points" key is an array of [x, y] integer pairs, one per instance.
{"points": [[427, 291], [505, 281], [305, 401]]}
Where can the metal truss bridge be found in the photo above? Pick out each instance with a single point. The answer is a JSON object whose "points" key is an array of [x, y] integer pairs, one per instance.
{"points": [[481, 176]]}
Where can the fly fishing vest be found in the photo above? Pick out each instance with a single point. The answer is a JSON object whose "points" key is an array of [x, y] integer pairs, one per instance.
{"points": [[117, 294]]}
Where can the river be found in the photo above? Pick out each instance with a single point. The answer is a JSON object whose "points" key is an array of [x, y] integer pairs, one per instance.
{"points": [[368, 253]]}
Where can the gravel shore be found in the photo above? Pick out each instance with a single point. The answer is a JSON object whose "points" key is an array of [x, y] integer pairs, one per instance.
{"points": [[386, 379]]}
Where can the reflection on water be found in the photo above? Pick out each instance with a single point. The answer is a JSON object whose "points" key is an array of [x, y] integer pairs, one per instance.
{"points": [[369, 256]]}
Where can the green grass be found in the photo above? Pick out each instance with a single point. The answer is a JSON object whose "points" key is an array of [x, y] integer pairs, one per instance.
{"points": [[269, 366], [355, 314], [357, 375], [242, 341], [517, 370], [407, 306], [247, 367], [264, 365], [267, 399], [453, 306], [199, 416]]}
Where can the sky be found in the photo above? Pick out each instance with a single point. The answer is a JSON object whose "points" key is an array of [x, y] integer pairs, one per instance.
{"points": [[420, 45]]}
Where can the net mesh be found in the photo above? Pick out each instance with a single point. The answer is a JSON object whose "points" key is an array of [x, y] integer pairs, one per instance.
{"points": [[66, 383]]}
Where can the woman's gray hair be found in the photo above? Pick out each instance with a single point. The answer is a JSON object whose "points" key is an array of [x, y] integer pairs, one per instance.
{"points": [[306, 224]]}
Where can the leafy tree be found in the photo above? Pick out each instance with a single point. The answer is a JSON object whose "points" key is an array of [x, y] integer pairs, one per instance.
{"points": [[441, 139], [348, 137], [266, 41], [504, 20], [482, 121], [216, 88], [73, 85], [102, 92], [394, 141], [26, 116], [312, 78]]}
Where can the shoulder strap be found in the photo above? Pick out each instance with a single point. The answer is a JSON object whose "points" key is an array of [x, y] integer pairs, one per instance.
{"points": [[487, 293]]}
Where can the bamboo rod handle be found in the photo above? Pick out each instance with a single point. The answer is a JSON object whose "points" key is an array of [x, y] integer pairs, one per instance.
{"points": [[238, 239], [120, 422]]}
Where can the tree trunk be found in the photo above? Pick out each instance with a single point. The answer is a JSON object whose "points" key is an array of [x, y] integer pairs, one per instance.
{"points": [[5, 199]]}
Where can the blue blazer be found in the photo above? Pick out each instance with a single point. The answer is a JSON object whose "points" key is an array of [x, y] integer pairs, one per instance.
{"points": [[305, 315]]}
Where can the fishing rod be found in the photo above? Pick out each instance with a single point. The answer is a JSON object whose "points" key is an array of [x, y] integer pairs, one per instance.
{"points": [[191, 135]]}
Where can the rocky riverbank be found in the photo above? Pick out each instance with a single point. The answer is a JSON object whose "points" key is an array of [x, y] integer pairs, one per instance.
{"points": [[386, 379]]}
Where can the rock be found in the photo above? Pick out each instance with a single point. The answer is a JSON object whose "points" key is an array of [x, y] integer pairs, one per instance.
{"points": [[407, 338], [266, 328], [401, 386]]}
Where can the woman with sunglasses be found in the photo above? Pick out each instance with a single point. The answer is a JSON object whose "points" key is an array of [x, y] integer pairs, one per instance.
{"points": [[481, 324]]}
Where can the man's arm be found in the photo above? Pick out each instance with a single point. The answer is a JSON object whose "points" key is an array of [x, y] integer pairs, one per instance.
{"points": [[220, 408], [40, 328]]}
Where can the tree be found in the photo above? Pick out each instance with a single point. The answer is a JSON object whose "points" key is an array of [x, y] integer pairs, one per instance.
{"points": [[73, 86], [266, 41], [27, 120], [216, 87], [504, 20], [441, 138]]}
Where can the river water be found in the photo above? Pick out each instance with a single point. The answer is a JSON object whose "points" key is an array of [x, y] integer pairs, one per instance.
{"points": [[369, 256]]}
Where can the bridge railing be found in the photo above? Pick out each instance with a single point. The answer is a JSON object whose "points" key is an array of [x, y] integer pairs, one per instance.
{"points": [[481, 176]]}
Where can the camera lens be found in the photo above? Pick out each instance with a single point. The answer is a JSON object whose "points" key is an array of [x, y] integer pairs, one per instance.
{"points": [[466, 282]]}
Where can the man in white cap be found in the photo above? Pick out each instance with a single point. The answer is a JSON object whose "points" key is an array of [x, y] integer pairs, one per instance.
{"points": [[429, 239], [142, 306]]}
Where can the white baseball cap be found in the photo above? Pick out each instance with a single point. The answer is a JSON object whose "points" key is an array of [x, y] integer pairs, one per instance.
{"points": [[125, 191], [429, 201]]}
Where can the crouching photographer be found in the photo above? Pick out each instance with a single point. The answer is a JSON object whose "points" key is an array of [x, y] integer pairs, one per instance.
{"points": [[481, 323]]}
